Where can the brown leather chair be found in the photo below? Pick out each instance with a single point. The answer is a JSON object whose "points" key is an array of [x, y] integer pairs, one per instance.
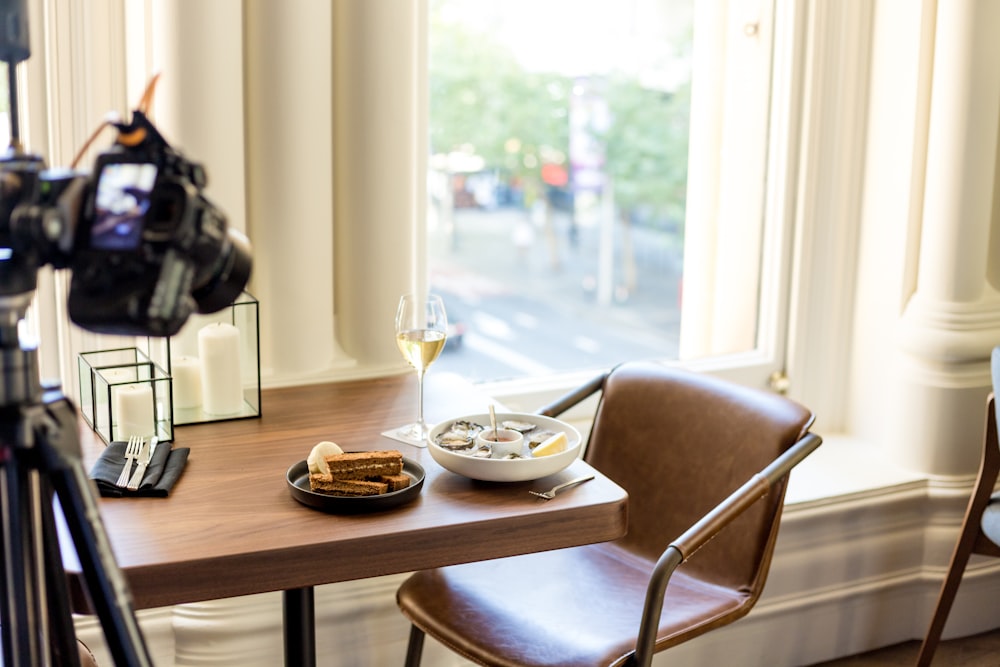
{"points": [[696, 455], [980, 533]]}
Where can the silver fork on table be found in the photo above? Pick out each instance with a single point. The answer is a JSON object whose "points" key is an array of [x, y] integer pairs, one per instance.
{"points": [[145, 456], [551, 493], [131, 451]]}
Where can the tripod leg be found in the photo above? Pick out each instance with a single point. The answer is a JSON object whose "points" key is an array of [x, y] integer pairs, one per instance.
{"points": [[21, 628], [108, 589], [60, 616]]}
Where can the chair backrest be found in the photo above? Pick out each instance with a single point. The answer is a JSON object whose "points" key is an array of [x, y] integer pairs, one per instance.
{"points": [[995, 375], [681, 442]]}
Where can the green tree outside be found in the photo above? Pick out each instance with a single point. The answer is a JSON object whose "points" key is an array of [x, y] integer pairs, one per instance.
{"points": [[484, 102]]}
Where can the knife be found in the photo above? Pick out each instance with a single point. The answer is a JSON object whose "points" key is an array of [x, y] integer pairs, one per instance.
{"points": [[143, 462]]}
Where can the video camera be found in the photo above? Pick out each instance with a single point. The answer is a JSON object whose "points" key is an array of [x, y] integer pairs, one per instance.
{"points": [[145, 246]]}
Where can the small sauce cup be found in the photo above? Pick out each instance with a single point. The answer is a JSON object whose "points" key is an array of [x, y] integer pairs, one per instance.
{"points": [[509, 442]]}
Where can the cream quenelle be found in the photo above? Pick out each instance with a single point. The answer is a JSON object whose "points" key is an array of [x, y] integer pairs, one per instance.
{"points": [[317, 457]]}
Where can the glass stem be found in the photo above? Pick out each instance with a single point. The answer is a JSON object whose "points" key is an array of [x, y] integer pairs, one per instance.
{"points": [[420, 402]]}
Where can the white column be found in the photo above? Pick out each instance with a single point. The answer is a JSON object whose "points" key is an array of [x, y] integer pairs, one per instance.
{"points": [[952, 320], [961, 153], [290, 185], [198, 105], [380, 108]]}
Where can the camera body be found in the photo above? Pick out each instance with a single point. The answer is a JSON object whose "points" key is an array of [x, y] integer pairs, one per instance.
{"points": [[149, 248]]}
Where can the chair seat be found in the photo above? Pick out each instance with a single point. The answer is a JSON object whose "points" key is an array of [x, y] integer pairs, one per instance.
{"points": [[471, 608], [990, 521]]}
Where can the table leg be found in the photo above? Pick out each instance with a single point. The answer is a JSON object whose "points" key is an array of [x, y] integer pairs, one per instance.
{"points": [[300, 627]]}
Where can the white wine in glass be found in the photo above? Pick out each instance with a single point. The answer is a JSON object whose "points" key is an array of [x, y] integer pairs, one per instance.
{"points": [[421, 331]]}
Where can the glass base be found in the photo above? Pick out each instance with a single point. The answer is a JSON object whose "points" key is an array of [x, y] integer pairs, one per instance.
{"points": [[413, 434]]}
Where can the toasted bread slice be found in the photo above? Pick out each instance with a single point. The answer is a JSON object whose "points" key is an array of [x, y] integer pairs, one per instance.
{"points": [[365, 465], [396, 482], [345, 487]]}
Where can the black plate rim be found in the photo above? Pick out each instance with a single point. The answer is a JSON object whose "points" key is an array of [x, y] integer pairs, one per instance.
{"points": [[298, 474]]}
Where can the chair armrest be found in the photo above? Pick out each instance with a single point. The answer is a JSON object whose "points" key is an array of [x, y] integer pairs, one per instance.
{"points": [[566, 401], [739, 501], [704, 530]]}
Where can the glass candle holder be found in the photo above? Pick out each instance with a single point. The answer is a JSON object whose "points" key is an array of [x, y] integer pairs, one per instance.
{"points": [[124, 393], [214, 363]]}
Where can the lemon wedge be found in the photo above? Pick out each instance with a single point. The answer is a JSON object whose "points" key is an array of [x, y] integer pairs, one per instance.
{"points": [[317, 457], [555, 444]]}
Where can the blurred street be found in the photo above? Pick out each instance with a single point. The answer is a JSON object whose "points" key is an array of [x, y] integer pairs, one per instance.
{"points": [[532, 299]]}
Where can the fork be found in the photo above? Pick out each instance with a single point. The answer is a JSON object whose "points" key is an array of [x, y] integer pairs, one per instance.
{"points": [[131, 451], [145, 456], [551, 493]]}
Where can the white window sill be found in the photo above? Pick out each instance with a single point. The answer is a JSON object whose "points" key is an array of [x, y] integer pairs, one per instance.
{"points": [[845, 466]]}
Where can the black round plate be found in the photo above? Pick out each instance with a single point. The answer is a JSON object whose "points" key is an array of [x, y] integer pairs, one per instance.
{"points": [[298, 483]]}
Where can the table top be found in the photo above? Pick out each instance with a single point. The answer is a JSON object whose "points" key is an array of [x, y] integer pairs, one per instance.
{"points": [[230, 526]]}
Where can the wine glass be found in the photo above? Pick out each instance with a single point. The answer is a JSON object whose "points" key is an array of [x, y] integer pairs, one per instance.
{"points": [[421, 330]]}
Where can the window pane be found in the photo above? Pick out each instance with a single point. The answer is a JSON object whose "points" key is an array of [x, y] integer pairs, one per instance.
{"points": [[558, 180]]}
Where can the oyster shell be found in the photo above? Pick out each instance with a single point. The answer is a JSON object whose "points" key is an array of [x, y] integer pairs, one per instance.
{"points": [[460, 436], [538, 437], [515, 425]]}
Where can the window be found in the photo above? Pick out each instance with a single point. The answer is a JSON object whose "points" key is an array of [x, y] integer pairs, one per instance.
{"points": [[724, 224], [597, 183]]}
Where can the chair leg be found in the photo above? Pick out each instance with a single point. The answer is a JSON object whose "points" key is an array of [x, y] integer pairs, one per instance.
{"points": [[947, 596], [415, 649], [967, 539]]}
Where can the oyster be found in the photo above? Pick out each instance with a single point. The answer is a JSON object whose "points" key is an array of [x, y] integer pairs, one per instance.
{"points": [[515, 425], [538, 437], [460, 436], [483, 452]]}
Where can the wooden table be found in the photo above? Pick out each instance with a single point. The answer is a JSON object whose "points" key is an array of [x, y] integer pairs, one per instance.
{"points": [[230, 526]]}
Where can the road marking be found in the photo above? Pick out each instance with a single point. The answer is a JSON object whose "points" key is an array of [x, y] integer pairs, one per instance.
{"points": [[526, 320], [493, 326], [505, 355], [585, 344]]}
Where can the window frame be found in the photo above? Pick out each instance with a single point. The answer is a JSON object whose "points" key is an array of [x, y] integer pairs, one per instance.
{"points": [[743, 70]]}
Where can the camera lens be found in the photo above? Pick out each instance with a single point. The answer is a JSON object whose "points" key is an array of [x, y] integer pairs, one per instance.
{"points": [[226, 277]]}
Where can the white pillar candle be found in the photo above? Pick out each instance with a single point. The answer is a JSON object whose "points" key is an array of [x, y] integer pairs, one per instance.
{"points": [[113, 378], [118, 375], [133, 405], [186, 375], [221, 383]]}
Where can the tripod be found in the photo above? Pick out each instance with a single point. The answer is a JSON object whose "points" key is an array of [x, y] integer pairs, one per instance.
{"points": [[40, 458], [40, 461]]}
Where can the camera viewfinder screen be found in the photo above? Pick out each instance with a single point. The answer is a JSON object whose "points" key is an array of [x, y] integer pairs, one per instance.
{"points": [[123, 198]]}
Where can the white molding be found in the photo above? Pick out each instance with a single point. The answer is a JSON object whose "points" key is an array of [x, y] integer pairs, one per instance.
{"points": [[832, 141]]}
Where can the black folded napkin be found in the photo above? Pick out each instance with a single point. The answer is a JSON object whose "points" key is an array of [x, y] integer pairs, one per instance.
{"points": [[165, 467]]}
